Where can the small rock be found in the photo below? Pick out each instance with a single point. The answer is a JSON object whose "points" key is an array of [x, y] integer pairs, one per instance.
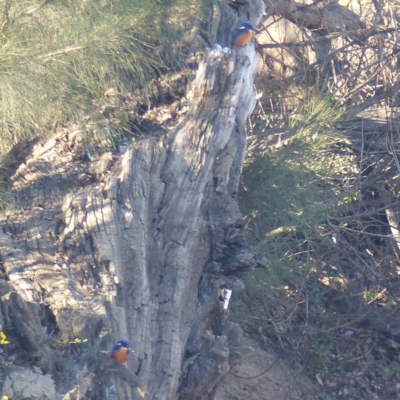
{"points": [[24, 383]]}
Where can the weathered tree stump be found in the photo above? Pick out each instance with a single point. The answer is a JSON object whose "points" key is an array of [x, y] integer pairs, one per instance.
{"points": [[140, 253]]}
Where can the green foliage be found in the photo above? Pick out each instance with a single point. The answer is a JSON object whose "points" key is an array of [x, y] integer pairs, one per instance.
{"points": [[322, 349], [255, 306], [3, 338], [288, 194], [4, 201], [285, 206], [58, 58], [60, 343], [317, 114], [78, 341], [3, 364], [389, 372]]}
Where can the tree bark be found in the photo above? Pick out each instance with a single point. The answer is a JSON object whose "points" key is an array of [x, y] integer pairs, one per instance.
{"points": [[138, 254]]}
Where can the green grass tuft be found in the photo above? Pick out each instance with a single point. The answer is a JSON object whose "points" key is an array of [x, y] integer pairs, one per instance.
{"points": [[289, 192], [58, 58]]}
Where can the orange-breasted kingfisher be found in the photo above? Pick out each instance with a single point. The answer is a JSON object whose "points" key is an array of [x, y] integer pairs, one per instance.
{"points": [[243, 34], [120, 351]]}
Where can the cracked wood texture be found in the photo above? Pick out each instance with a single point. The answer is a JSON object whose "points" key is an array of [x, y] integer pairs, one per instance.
{"points": [[139, 254]]}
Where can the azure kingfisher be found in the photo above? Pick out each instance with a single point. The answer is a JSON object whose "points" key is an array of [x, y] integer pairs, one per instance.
{"points": [[242, 35], [120, 351]]}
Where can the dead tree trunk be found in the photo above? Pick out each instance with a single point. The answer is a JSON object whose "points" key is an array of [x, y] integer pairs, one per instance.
{"points": [[139, 255]]}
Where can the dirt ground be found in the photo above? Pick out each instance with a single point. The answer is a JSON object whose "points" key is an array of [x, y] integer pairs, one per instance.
{"points": [[264, 376]]}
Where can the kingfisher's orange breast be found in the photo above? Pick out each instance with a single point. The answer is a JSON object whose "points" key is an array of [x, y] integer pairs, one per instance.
{"points": [[120, 355], [243, 39]]}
